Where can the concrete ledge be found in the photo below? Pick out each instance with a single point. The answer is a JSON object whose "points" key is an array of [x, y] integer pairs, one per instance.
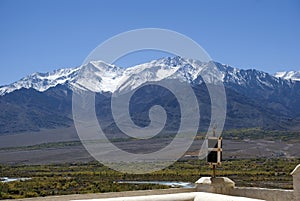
{"points": [[108, 195], [194, 196], [167, 197], [296, 182], [201, 196], [221, 185], [263, 193]]}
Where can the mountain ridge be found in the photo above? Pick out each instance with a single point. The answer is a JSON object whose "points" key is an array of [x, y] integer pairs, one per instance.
{"points": [[105, 76]]}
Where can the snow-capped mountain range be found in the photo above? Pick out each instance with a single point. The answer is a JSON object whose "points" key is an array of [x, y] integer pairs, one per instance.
{"points": [[254, 98], [98, 76]]}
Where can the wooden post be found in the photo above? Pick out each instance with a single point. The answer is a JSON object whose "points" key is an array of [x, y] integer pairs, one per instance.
{"points": [[214, 171], [214, 157], [214, 131]]}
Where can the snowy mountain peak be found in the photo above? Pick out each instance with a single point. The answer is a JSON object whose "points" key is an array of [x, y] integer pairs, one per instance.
{"points": [[288, 75], [97, 76]]}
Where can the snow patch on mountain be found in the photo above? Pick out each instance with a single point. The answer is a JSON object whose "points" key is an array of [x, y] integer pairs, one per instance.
{"points": [[288, 75], [97, 76]]}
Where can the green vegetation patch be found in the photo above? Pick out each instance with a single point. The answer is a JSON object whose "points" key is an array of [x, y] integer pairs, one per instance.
{"points": [[93, 177], [258, 133]]}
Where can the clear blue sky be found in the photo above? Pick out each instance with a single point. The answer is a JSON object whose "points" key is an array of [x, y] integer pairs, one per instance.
{"points": [[39, 36]]}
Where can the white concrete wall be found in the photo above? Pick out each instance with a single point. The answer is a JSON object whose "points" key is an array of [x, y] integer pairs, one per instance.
{"points": [[167, 197], [272, 194], [296, 182], [264, 193], [219, 197], [194, 196], [224, 185]]}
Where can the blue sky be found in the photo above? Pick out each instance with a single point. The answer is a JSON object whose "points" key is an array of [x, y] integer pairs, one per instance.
{"points": [[40, 36]]}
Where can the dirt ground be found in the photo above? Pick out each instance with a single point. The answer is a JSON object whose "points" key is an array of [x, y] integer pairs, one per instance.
{"points": [[17, 154]]}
